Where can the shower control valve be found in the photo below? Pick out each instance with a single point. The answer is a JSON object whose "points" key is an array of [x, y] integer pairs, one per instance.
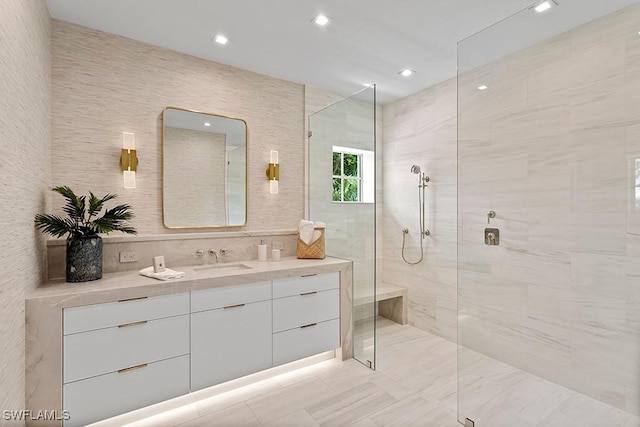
{"points": [[490, 214]]}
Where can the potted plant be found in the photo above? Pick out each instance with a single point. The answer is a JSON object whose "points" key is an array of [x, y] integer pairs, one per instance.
{"points": [[84, 246]]}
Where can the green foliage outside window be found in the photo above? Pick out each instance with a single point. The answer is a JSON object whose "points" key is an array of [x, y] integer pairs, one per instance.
{"points": [[346, 177]]}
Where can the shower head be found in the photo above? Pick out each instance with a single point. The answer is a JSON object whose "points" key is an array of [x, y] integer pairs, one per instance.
{"points": [[415, 169]]}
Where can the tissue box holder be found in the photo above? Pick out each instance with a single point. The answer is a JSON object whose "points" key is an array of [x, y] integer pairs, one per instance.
{"points": [[313, 251]]}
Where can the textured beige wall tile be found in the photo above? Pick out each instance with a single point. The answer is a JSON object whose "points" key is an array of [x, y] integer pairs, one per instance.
{"points": [[105, 84], [25, 135]]}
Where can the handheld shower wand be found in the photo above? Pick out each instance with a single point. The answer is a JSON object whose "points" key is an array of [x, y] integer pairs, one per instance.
{"points": [[423, 179]]}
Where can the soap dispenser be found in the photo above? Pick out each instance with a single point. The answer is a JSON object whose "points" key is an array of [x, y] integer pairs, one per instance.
{"points": [[262, 251]]}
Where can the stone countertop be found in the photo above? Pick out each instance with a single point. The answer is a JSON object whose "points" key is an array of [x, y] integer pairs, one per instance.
{"points": [[130, 284]]}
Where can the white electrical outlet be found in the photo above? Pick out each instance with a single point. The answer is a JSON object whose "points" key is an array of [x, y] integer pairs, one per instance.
{"points": [[128, 257]]}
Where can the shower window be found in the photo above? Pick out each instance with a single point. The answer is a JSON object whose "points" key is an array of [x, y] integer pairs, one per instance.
{"points": [[347, 178], [353, 175]]}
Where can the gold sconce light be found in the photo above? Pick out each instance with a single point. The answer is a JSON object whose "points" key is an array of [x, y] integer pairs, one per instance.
{"points": [[129, 160], [273, 172]]}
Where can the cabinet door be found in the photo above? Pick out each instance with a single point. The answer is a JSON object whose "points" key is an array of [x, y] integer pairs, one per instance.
{"points": [[229, 343]]}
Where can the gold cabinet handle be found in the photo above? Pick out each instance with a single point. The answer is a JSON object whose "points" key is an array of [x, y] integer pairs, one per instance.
{"points": [[309, 275], [132, 368], [233, 306], [126, 325], [308, 326], [132, 299], [309, 293]]}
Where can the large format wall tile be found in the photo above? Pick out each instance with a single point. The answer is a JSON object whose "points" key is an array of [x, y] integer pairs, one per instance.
{"points": [[421, 129], [559, 297]]}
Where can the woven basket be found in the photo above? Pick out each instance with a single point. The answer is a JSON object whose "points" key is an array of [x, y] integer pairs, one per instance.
{"points": [[313, 251]]}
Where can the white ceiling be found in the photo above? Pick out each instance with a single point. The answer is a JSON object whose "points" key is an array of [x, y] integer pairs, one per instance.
{"points": [[368, 41]]}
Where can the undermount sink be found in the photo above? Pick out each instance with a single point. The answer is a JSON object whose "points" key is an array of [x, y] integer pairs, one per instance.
{"points": [[224, 267]]}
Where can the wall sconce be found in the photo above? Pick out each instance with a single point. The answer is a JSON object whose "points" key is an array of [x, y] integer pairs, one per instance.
{"points": [[273, 172], [128, 160]]}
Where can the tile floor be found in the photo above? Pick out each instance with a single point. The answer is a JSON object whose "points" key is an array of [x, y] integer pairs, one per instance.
{"points": [[415, 385]]}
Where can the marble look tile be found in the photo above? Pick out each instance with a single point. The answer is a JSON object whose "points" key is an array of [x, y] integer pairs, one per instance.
{"points": [[237, 415], [350, 406], [539, 267], [270, 407], [233, 398], [581, 410], [184, 416], [413, 411], [601, 233], [297, 419], [590, 272]]}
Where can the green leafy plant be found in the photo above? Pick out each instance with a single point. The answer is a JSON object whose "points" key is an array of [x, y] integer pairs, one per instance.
{"points": [[83, 219]]}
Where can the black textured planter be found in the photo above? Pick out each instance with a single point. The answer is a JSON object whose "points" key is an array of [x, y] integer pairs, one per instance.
{"points": [[84, 259]]}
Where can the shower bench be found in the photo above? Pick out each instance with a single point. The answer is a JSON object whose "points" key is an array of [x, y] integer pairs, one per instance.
{"points": [[392, 302]]}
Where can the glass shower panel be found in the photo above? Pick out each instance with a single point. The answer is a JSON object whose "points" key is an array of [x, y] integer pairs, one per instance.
{"points": [[341, 193], [549, 140]]}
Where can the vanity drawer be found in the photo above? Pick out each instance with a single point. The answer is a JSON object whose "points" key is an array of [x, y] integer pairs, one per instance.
{"points": [[93, 353], [108, 395], [302, 342], [210, 299], [304, 284], [311, 307], [98, 316]]}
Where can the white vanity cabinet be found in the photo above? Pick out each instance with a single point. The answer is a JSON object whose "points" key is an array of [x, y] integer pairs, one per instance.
{"points": [[96, 357], [306, 316], [124, 355], [230, 333]]}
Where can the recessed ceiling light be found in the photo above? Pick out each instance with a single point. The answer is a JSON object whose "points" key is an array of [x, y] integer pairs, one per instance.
{"points": [[483, 87], [207, 124], [544, 6], [367, 84], [321, 20], [220, 39], [406, 73]]}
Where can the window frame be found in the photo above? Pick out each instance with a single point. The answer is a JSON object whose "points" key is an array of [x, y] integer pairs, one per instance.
{"points": [[342, 177]]}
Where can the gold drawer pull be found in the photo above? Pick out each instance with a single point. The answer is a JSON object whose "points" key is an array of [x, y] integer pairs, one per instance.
{"points": [[309, 293], [233, 306], [308, 326], [126, 325], [132, 368], [132, 299]]}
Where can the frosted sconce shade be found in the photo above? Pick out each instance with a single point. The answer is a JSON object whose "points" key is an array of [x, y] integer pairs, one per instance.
{"points": [[129, 178], [273, 172], [128, 160]]}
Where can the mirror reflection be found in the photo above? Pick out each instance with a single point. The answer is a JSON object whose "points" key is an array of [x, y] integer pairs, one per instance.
{"points": [[204, 169]]}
